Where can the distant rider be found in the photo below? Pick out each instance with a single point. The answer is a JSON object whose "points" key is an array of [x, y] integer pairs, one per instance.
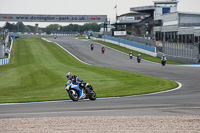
{"points": [[55, 36], [163, 60], [139, 58], [92, 46], [102, 50], [131, 55]]}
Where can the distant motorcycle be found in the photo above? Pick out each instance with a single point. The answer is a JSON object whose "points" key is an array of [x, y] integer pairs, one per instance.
{"points": [[131, 55], [163, 62], [92, 47], [80, 91], [55, 37], [102, 50], [139, 58]]}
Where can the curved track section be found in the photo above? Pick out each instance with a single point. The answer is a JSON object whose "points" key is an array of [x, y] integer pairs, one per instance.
{"points": [[184, 101]]}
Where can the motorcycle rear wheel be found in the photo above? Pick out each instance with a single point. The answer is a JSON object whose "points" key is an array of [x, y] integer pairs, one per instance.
{"points": [[92, 95]]}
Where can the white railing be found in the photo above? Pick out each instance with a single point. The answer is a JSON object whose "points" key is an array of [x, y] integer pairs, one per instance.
{"points": [[7, 60]]}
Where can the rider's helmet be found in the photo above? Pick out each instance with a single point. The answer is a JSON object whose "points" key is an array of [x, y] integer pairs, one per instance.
{"points": [[69, 75], [138, 54]]}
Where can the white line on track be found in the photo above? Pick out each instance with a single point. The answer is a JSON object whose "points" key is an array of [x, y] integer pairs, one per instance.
{"points": [[190, 65], [180, 85], [46, 40], [71, 54]]}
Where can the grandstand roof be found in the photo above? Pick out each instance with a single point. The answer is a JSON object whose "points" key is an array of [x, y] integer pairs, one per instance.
{"points": [[133, 14], [144, 9]]}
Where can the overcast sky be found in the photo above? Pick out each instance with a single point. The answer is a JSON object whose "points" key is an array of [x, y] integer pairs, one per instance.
{"points": [[82, 7]]}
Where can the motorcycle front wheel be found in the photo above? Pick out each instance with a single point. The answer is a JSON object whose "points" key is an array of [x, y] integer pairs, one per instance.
{"points": [[73, 95]]}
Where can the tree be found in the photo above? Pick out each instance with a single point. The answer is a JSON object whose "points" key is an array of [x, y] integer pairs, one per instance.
{"points": [[71, 28], [91, 27], [16, 27], [20, 27], [29, 28], [53, 28], [8, 26], [94, 27]]}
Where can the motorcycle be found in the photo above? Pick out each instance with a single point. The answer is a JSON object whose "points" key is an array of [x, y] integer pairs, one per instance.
{"points": [[163, 62], [130, 56], [103, 50], [138, 60], [92, 47], [80, 91], [55, 37]]}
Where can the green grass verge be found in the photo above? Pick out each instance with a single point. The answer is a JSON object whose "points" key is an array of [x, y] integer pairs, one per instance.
{"points": [[37, 73], [82, 38], [135, 53]]}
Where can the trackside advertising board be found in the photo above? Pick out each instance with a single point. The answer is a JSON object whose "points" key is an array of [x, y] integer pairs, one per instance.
{"points": [[52, 18], [119, 33]]}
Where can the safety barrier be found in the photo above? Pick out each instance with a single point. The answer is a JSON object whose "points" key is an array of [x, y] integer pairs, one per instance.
{"points": [[150, 50], [7, 60], [32, 33]]}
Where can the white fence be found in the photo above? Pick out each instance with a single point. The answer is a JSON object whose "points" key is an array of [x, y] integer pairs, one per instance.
{"points": [[7, 60], [150, 50]]}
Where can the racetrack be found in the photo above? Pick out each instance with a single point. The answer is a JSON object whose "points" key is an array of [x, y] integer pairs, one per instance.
{"points": [[184, 101]]}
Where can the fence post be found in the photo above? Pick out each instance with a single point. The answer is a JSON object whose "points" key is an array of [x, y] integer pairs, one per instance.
{"points": [[163, 47], [198, 51], [1, 50]]}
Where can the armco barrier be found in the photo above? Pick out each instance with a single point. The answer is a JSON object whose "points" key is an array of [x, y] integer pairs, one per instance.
{"points": [[150, 50], [7, 60]]}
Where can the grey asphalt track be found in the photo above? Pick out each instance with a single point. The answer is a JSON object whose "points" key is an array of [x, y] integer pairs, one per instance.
{"points": [[184, 101]]}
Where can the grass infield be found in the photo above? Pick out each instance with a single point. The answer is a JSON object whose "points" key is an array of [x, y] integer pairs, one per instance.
{"points": [[38, 68]]}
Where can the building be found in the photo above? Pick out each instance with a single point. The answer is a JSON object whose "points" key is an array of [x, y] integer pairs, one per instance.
{"points": [[171, 25], [179, 27], [136, 23], [162, 21]]}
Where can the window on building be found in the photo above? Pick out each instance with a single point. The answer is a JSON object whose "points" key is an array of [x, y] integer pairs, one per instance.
{"points": [[166, 5], [158, 23], [137, 18]]}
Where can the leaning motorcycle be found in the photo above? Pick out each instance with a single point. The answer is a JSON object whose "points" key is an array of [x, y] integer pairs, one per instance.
{"points": [[80, 91]]}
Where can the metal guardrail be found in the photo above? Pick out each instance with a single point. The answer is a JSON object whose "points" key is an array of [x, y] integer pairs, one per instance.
{"points": [[146, 41], [37, 35], [180, 52], [141, 40], [178, 58]]}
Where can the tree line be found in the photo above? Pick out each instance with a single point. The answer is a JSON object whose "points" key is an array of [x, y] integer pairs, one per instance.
{"points": [[52, 28]]}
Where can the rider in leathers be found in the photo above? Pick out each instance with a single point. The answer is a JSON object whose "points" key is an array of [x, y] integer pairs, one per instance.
{"points": [[75, 80], [163, 60]]}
